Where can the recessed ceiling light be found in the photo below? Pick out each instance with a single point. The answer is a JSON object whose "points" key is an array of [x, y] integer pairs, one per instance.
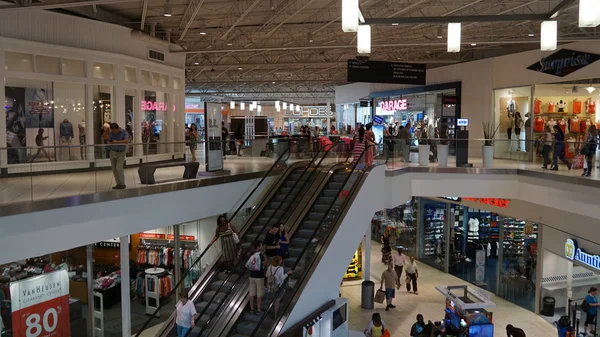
{"points": [[196, 63], [273, 82], [395, 24], [230, 44], [531, 35], [167, 9], [473, 44], [240, 68]]}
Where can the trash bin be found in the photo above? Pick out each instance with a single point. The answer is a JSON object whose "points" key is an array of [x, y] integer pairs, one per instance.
{"points": [[367, 295], [548, 304]]}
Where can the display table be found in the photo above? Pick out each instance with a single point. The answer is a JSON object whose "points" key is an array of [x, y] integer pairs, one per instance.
{"points": [[154, 271]]}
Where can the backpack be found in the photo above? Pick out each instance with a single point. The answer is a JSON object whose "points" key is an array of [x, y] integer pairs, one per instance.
{"points": [[585, 306], [271, 283], [254, 263]]}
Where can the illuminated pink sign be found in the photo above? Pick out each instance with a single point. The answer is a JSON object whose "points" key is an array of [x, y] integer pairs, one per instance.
{"points": [[155, 106], [393, 105]]}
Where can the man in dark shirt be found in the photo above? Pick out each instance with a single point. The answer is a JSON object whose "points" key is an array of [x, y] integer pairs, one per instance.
{"points": [[39, 141], [272, 241], [224, 136], [118, 140], [511, 331]]}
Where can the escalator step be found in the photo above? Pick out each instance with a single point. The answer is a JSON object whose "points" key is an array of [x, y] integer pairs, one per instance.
{"points": [[295, 252], [304, 233], [340, 177], [253, 237], [320, 208], [211, 308], [267, 221], [256, 229], [208, 296], [290, 191], [219, 286], [310, 224], [330, 193], [316, 216], [299, 242], [249, 317], [326, 200], [290, 261], [280, 205], [232, 278], [335, 185]]}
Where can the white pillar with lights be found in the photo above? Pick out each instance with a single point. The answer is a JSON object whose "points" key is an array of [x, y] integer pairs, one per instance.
{"points": [[589, 13], [454, 36], [549, 36], [350, 15], [363, 39]]}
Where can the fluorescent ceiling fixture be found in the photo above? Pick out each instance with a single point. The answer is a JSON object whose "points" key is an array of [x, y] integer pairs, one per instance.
{"points": [[284, 106], [350, 15], [167, 10], [363, 39], [454, 31], [202, 29], [276, 103], [242, 106], [292, 107], [549, 35], [531, 35], [473, 44], [297, 108], [395, 24], [440, 34], [589, 13], [196, 63], [277, 108], [232, 105], [251, 107], [259, 108], [590, 89], [255, 104]]}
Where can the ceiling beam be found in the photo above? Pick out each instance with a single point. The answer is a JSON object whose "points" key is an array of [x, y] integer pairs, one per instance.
{"points": [[555, 11], [62, 4], [241, 18], [407, 8], [144, 13], [187, 20], [288, 17], [286, 92], [447, 19]]}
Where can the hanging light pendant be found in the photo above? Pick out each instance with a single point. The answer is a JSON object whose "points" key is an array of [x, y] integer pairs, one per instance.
{"points": [[232, 105], [363, 39], [167, 9], [589, 13], [242, 106], [349, 16], [549, 35], [454, 32]]}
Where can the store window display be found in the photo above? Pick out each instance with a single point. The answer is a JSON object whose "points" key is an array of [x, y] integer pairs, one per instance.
{"points": [[401, 223], [103, 116], [513, 114], [433, 251], [154, 122]]}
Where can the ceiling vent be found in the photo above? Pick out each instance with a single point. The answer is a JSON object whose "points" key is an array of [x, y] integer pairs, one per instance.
{"points": [[156, 55]]}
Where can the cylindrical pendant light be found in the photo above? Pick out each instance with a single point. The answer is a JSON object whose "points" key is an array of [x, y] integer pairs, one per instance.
{"points": [[589, 13], [292, 107], [232, 105], [277, 104], [454, 32], [363, 39], [297, 108], [242, 106], [549, 35], [259, 108], [284, 106], [349, 15], [251, 106]]}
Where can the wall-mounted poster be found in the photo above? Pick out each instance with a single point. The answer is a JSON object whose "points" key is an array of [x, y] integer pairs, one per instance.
{"points": [[39, 112], [14, 107], [213, 145]]}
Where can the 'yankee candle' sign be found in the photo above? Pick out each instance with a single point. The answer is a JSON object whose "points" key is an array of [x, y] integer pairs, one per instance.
{"points": [[574, 253]]}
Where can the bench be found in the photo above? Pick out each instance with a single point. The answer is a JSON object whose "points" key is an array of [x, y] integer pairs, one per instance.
{"points": [[146, 171]]}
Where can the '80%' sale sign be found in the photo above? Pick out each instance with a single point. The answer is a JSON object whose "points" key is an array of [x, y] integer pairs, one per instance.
{"points": [[40, 306]]}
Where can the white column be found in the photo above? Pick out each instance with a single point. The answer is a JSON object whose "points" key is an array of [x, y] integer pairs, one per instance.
{"points": [[125, 287], [137, 120], [367, 256], [177, 258], [328, 117], [118, 107], [539, 273], [90, 289], [91, 128], [3, 155]]}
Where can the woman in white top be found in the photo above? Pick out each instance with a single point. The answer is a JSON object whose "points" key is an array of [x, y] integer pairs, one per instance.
{"points": [[275, 276], [185, 316]]}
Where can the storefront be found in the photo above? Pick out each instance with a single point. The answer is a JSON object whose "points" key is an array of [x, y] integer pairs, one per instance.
{"points": [[71, 101], [320, 116]]}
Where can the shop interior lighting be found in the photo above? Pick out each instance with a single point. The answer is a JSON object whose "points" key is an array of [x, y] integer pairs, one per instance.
{"points": [[242, 106], [590, 89], [167, 9], [454, 32], [549, 35], [363, 39], [589, 13], [350, 16], [232, 105]]}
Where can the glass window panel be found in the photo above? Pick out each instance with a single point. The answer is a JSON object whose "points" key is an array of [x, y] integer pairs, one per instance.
{"points": [[155, 79], [18, 61], [177, 83], [70, 125], [29, 114], [47, 64], [102, 118], [146, 78], [164, 81], [103, 71], [130, 75], [432, 240], [513, 120], [155, 123], [73, 67], [130, 102]]}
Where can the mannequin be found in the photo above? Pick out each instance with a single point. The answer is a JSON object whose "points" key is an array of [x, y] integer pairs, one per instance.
{"points": [[562, 124], [590, 106], [576, 106], [551, 123], [511, 106], [551, 106], [538, 124], [66, 135], [585, 124], [81, 127], [518, 125], [561, 106], [537, 106]]}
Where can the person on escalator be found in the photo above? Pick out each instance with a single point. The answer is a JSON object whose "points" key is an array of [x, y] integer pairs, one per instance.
{"points": [[225, 232], [359, 144], [256, 282], [272, 246], [284, 242], [185, 315]]}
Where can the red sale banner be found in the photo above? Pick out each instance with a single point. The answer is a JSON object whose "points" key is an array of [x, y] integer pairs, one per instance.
{"points": [[40, 306]]}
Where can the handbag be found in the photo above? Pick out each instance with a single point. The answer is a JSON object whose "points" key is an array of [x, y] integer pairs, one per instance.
{"points": [[236, 237], [379, 296]]}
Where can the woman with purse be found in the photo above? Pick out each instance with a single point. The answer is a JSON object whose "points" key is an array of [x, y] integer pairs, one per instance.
{"points": [[229, 238], [589, 149], [559, 149], [275, 277]]}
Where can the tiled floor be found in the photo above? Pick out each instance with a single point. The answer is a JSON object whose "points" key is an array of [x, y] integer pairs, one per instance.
{"points": [[430, 303]]}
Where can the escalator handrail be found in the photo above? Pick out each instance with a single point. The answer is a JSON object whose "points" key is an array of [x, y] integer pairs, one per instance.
{"points": [[244, 253], [178, 284], [283, 286]]}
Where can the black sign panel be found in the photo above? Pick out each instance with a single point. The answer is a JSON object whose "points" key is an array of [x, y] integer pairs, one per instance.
{"points": [[564, 62], [386, 72], [364, 104]]}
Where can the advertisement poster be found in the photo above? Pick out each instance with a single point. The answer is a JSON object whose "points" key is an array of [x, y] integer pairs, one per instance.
{"points": [[213, 146], [40, 306], [38, 109], [14, 107]]}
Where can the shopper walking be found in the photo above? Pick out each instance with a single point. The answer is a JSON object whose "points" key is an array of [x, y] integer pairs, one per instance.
{"points": [[412, 274], [239, 139], [559, 149], [511, 331], [224, 136], [39, 141], [399, 261], [375, 327], [370, 136], [359, 144], [547, 146], [226, 233], [193, 139], [389, 278], [118, 140], [185, 315], [592, 309], [588, 149], [256, 282], [518, 125], [405, 138]]}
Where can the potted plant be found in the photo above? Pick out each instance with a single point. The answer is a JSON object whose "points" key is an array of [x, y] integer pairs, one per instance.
{"points": [[424, 147], [442, 150], [487, 151]]}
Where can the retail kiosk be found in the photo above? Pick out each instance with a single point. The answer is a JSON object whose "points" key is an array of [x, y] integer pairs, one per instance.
{"points": [[466, 312]]}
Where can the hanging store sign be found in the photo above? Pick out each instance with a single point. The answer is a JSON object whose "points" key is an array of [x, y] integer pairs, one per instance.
{"points": [[40, 306], [564, 62], [502, 203], [154, 236], [386, 72], [393, 105], [311, 112], [452, 198], [182, 237], [574, 253]]}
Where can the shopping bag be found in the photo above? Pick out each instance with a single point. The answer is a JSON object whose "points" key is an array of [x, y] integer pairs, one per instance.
{"points": [[380, 296], [578, 162]]}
